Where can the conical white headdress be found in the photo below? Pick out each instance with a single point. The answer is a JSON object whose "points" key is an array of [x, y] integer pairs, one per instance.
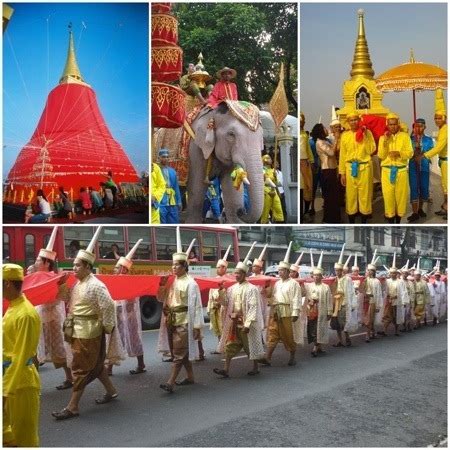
{"points": [[243, 265], [259, 261], [88, 254], [285, 263], [339, 264], [334, 118], [223, 261], [188, 251], [418, 271], [319, 270], [346, 262], [179, 255], [312, 259], [405, 267], [48, 251], [127, 261], [296, 265], [393, 268], [373, 263], [355, 262]]}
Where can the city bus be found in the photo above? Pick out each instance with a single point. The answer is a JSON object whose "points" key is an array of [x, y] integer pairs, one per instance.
{"points": [[21, 245]]}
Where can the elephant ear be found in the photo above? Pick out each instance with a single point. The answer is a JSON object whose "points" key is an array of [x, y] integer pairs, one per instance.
{"points": [[205, 136]]}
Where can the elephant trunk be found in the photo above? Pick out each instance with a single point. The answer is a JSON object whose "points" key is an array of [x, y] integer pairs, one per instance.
{"points": [[254, 170]]}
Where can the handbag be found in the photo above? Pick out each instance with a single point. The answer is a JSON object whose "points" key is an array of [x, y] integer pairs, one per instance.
{"points": [[68, 329]]}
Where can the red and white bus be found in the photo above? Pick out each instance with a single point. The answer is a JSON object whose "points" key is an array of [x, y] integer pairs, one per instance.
{"points": [[21, 245]]}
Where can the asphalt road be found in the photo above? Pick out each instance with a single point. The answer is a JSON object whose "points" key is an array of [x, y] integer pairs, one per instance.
{"points": [[389, 393]]}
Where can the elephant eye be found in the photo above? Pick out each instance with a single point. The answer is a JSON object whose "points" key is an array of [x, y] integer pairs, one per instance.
{"points": [[230, 133]]}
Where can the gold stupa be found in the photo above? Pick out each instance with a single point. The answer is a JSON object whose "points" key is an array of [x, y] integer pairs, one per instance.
{"points": [[360, 92]]}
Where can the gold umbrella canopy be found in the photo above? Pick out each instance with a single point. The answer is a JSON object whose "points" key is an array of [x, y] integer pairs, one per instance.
{"points": [[412, 76]]}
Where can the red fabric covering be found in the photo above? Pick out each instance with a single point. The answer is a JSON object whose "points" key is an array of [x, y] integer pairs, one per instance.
{"points": [[376, 124], [222, 90], [81, 150]]}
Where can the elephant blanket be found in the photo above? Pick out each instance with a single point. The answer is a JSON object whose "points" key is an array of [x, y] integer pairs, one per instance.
{"points": [[246, 112]]}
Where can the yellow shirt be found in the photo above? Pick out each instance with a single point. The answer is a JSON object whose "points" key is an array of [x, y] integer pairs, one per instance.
{"points": [[441, 144], [399, 142], [21, 330], [351, 150], [305, 148]]}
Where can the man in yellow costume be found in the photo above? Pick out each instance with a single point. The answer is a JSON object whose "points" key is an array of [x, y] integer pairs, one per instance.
{"points": [[272, 203], [355, 169], [306, 175], [395, 150], [21, 385], [440, 119], [158, 189]]}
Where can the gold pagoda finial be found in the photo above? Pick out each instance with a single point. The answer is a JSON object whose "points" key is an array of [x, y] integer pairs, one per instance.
{"points": [[411, 56], [200, 62], [361, 65], [71, 73]]}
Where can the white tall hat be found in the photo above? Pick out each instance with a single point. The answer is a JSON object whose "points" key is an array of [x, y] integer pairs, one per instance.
{"points": [[334, 118], [296, 265], [418, 271], [285, 263], [347, 261], [438, 267], [355, 262], [339, 264], [223, 261], [259, 261], [373, 263], [405, 269], [319, 270], [311, 257], [48, 251], [88, 255], [243, 265], [180, 255], [393, 268], [127, 261]]}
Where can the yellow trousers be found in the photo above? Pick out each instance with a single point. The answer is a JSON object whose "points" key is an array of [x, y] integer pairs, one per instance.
{"points": [[272, 203], [21, 419], [359, 190], [395, 195], [155, 215], [444, 176]]}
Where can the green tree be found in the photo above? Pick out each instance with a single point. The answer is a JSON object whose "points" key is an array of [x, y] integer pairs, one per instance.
{"points": [[253, 39]]}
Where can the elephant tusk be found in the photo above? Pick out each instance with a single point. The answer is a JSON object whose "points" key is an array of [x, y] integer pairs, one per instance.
{"points": [[245, 181]]}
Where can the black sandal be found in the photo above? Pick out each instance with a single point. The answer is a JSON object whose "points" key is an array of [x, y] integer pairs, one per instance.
{"points": [[184, 382], [167, 387], [64, 414], [137, 370], [65, 385], [223, 373], [106, 398]]}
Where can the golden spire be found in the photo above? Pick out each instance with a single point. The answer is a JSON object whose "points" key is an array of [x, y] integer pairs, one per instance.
{"points": [[411, 56], [71, 72], [361, 65]]}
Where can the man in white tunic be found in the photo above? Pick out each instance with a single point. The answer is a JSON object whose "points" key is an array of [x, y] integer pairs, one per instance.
{"points": [[91, 315], [320, 307], [183, 318], [285, 303], [395, 300], [441, 296], [421, 294], [243, 323], [373, 299], [129, 326], [217, 298], [409, 297], [51, 341]]}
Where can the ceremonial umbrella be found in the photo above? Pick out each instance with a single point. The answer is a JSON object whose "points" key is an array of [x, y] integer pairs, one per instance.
{"points": [[412, 76]]}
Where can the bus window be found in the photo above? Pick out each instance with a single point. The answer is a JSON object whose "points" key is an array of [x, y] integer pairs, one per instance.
{"points": [[209, 245], [111, 243], [76, 238], [186, 238], [30, 252], [166, 243], [144, 249], [6, 247], [226, 239]]}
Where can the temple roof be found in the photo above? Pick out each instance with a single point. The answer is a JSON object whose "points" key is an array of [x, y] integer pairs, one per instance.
{"points": [[71, 73], [361, 65]]}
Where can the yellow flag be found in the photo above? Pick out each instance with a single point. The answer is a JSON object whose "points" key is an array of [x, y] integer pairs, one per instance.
{"points": [[278, 105]]}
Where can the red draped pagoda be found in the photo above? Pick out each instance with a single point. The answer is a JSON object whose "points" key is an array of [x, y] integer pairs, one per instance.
{"points": [[71, 146]]}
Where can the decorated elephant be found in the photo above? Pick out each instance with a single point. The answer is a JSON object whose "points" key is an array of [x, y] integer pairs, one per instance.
{"points": [[232, 137]]}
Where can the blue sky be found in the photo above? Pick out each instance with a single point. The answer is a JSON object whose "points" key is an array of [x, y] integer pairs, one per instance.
{"points": [[112, 54], [328, 34]]}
